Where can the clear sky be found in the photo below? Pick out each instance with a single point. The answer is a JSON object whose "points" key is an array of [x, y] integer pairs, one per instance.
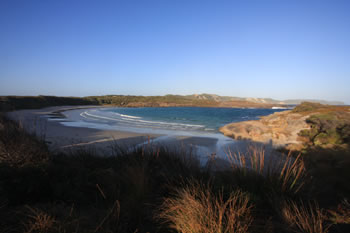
{"points": [[283, 49]]}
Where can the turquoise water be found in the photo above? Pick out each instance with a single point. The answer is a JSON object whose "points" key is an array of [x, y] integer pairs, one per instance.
{"points": [[170, 124], [173, 118]]}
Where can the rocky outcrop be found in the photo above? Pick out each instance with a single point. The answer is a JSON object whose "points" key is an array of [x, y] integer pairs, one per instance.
{"points": [[280, 128], [307, 125]]}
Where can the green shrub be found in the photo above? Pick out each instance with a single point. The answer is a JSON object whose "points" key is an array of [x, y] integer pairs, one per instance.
{"points": [[331, 128], [307, 106]]}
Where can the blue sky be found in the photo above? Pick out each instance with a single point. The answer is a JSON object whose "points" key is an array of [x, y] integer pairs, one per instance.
{"points": [[283, 49]]}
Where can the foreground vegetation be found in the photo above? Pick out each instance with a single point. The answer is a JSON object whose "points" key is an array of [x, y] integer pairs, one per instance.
{"points": [[154, 189], [10, 103]]}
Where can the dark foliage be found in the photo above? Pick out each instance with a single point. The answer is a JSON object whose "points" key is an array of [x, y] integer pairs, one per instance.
{"points": [[10, 103]]}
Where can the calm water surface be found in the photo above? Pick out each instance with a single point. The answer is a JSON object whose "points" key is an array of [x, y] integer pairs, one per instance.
{"points": [[171, 119]]}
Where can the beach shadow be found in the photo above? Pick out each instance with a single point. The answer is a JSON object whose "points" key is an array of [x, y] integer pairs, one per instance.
{"points": [[104, 146]]}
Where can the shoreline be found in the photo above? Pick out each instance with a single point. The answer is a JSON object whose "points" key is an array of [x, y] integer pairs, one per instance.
{"points": [[43, 123], [47, 124]]}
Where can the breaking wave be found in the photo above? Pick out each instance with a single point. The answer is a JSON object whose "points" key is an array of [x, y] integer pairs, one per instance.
{"points": [[135, 121]]}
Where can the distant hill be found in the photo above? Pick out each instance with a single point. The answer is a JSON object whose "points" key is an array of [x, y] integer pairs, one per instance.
{"points": [[299, 101], [261, 100], [8, 103], [202, 100]]}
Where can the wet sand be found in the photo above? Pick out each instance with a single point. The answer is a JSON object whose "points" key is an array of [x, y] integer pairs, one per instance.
{"points": [[45, 123]]}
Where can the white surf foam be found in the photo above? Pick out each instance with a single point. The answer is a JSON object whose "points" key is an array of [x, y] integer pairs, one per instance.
{"points": [[136, 121], [127, 116]]}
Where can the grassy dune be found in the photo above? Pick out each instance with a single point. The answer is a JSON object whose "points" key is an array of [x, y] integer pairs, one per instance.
{"points": [[9, 103], [153, 189]]}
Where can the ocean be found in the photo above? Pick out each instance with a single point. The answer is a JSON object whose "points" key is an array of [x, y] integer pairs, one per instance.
{"points": [[195, 126], [171, 120]]}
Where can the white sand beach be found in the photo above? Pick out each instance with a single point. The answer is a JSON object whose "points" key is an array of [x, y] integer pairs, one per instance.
{"points": [[46, 123]]}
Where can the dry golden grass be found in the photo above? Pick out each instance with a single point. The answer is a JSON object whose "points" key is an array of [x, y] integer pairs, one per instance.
{"points": [[288, 172], [253, 159], [342, 214], [39, 222], [292, 174], [196, 209], [306, 219]]}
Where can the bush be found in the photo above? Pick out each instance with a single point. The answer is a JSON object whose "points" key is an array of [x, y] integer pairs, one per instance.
{"points": [[307, 106], [331, 128]]}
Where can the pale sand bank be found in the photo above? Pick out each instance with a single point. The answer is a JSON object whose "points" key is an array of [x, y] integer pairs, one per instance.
{"points": [[59, 136]]}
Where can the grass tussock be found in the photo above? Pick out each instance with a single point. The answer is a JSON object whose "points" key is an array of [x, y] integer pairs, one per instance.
{"points": [[283, 175], [305, 218], [341, 215], [39, 221], [196, 209]]}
